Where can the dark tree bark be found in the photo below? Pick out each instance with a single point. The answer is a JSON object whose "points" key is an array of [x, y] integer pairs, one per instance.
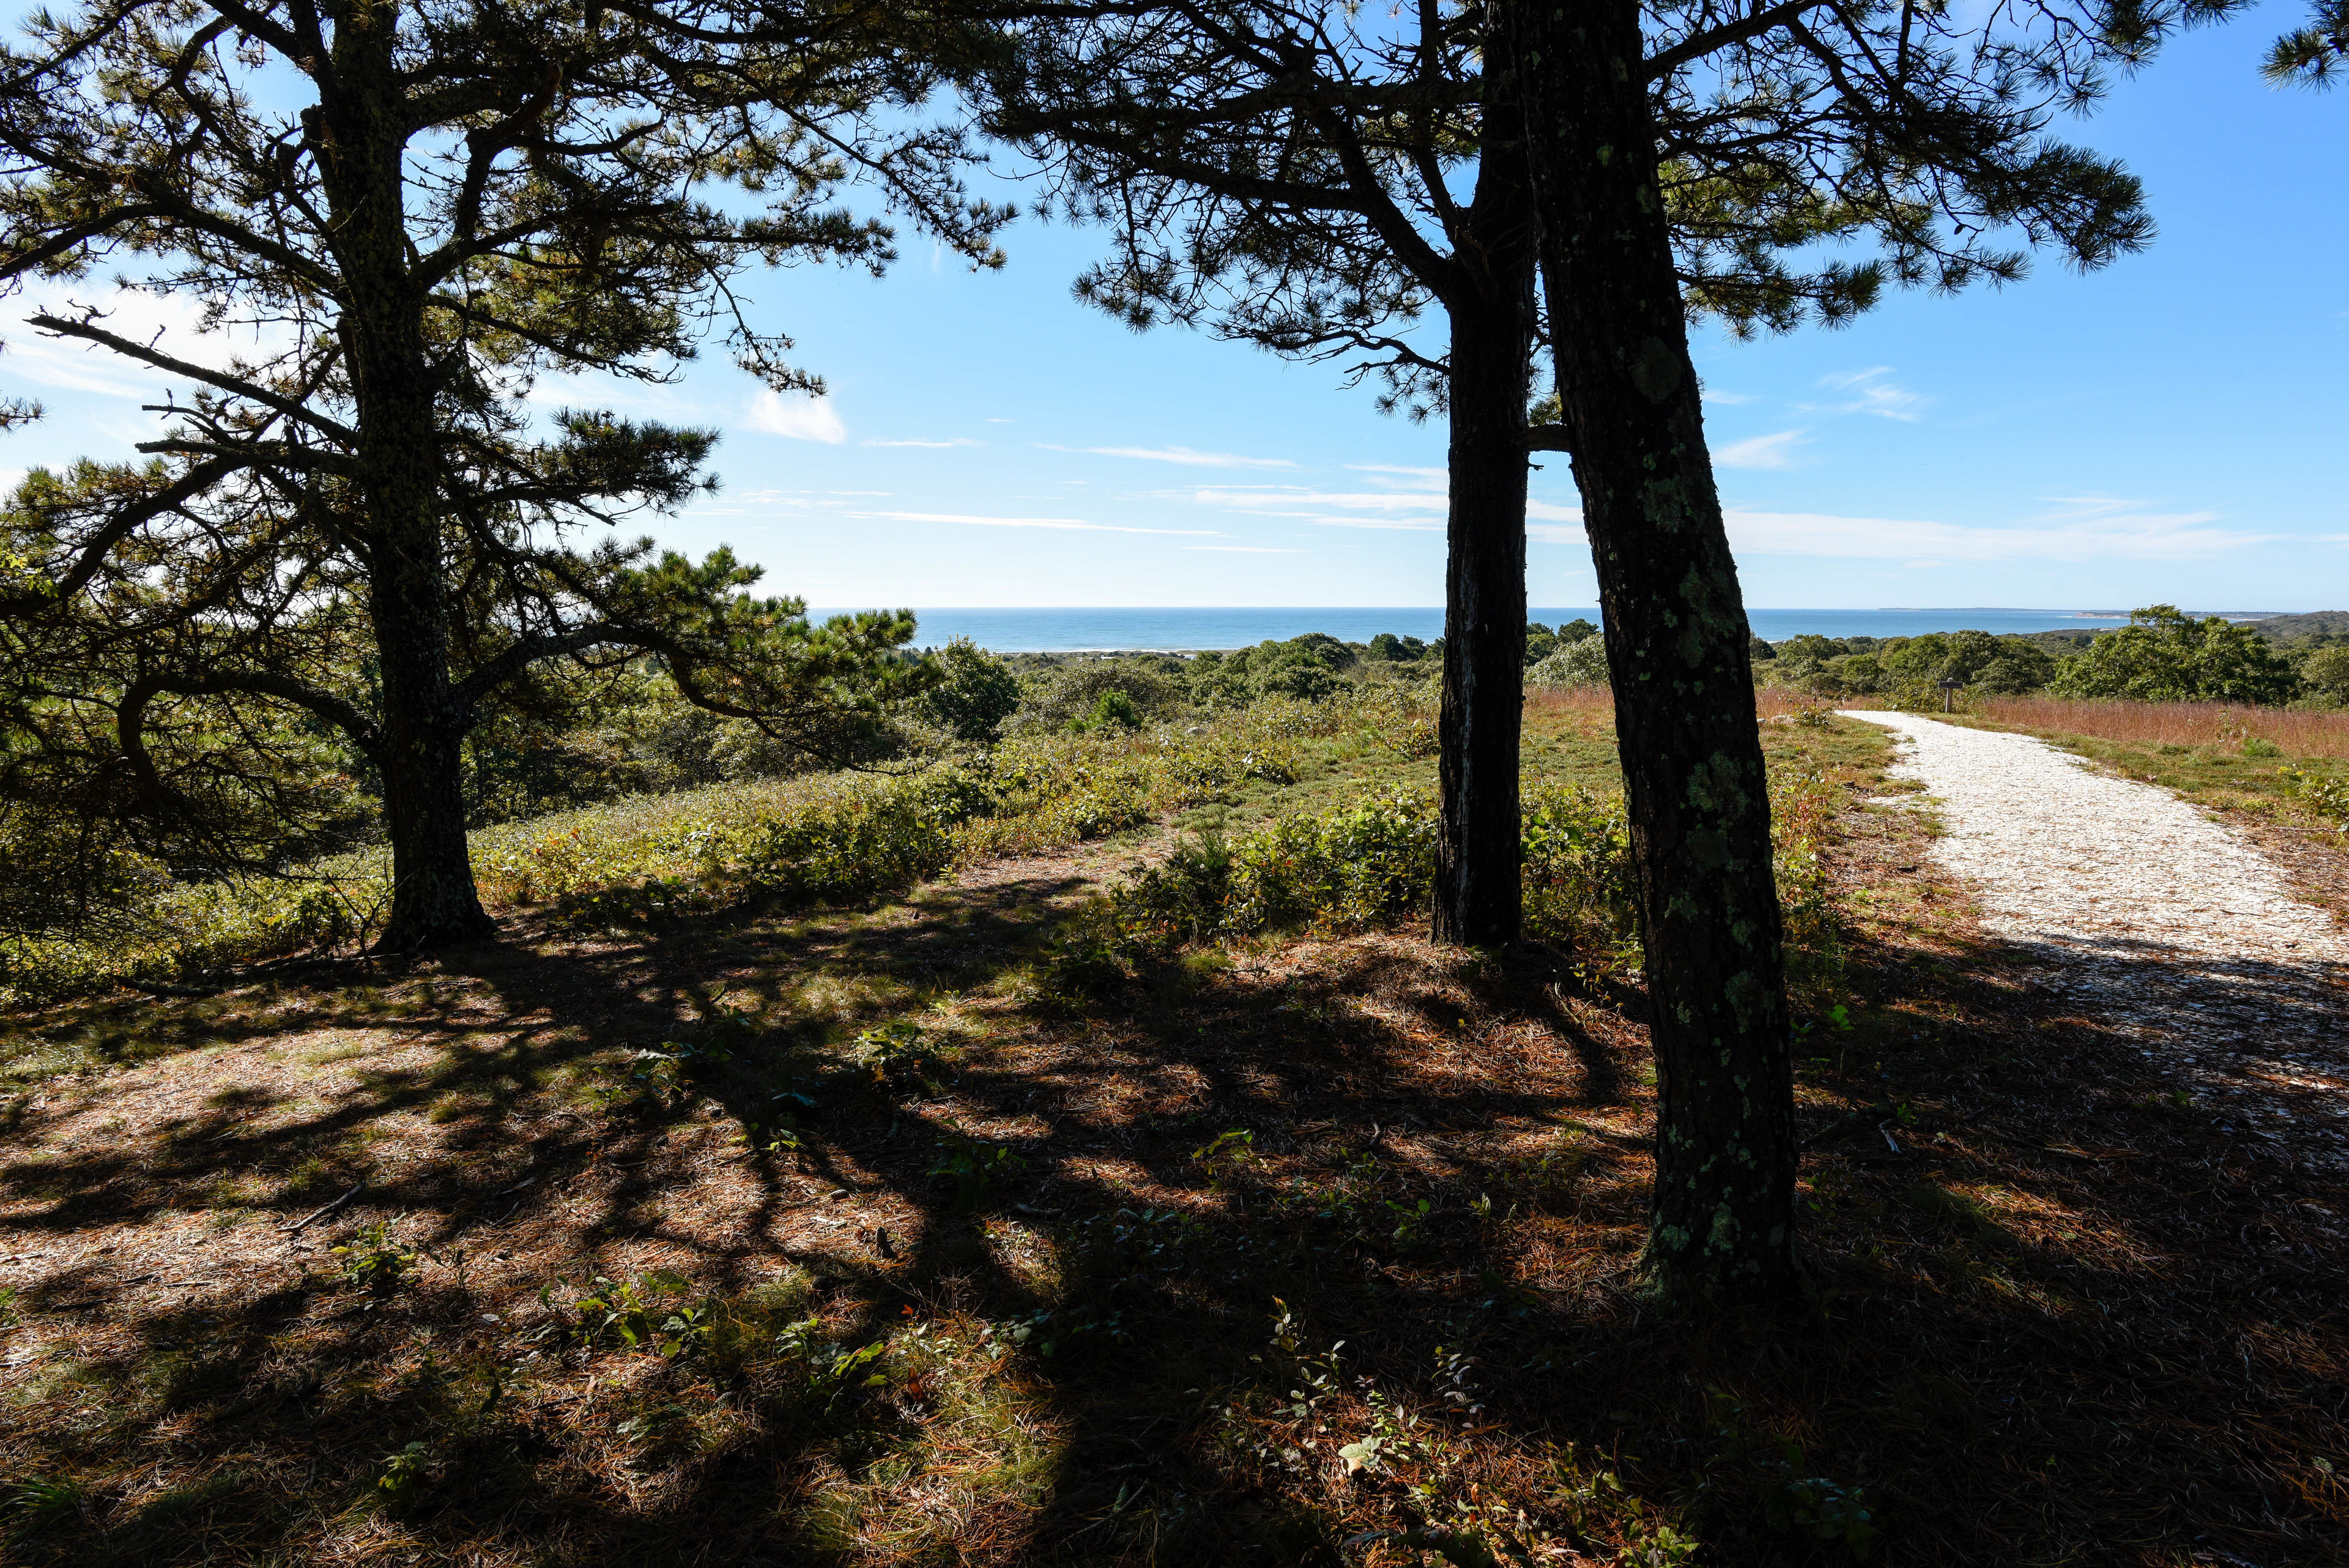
{"points": [[360, 136], [1478, 898], [1722, 1219]]}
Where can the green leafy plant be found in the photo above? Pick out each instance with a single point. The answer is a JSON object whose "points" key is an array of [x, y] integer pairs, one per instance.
{"points": [[2328, 796], [1411, 1221], [375, 1260], [1225, 1155], [664, 1425], [1063, 1332], [654, 1312], [972, 1167], [1793, 1500], [833, 1372], [901, 1055], [406, 1472]]}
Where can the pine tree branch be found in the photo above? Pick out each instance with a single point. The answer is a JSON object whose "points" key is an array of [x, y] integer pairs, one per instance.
{"points": [[1696, 47]]}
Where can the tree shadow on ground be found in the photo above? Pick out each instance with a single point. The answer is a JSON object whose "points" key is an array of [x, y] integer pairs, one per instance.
{"points": [[1249, 1209]]}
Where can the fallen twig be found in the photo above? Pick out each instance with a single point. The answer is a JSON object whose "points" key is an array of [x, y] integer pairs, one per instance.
{"points": [[329, 1208]]}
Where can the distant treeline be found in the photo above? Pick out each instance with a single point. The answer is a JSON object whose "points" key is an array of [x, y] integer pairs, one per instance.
{"points": [[2160, 656]]}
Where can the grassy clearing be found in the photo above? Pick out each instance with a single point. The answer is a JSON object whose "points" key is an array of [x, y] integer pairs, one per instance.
{"points": [[2303, 733], [2272, 761], [897, 1231]]}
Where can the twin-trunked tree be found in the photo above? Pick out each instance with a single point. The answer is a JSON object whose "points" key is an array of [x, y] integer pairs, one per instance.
{"points": [[390, 220], [1313, 177]]}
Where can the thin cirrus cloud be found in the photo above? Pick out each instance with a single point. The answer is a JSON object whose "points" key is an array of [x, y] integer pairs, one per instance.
{"points": [[1185, 456], [1400, 474], [1416, 509], [1247, 549], [1384, 508], [1071, 524], [171, 322], [1871, 391], [797, 417], [1773, 451], [2086, 528]]}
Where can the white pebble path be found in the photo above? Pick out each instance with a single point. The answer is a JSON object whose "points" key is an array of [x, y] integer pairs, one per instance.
{"points": [[2165, 926]]}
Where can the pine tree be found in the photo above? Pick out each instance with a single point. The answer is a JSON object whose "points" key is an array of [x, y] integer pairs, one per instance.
{"points": [[1315, 177], [1290, 176], [1919, 130], [2315, 55], [396, 218]]}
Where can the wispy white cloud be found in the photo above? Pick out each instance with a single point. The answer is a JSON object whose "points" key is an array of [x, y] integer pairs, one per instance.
{"points": [[1404, 525], [172, 323], [1871, 392], [2090, 531], [1247, 549], [1183, 455], [1415, 478], [1390, 501], [940, 445], [1326, 521], [1727, 398], [1775, 451], [1544, 511], [1073, 524], [1557, 534], [798, 418], [650, 400]]}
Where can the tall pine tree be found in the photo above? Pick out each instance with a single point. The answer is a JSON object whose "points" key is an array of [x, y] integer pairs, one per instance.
{"points": [[1313, 177], [1919, 128], [393, 219]]}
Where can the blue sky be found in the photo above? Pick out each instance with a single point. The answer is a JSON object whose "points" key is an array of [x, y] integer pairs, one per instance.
{"points": [[2169, 429]]}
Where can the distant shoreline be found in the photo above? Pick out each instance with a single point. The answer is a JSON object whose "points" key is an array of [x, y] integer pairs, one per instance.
{"points": [[1104, 629]]}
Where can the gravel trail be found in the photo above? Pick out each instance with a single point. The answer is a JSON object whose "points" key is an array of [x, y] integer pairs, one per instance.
{"points": [[2160, 923]]}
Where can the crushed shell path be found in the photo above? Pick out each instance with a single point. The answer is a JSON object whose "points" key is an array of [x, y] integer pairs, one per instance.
{"points": [[2156, 921]]}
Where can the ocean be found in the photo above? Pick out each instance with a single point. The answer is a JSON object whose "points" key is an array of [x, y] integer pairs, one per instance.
{"points": [[1076, 630]]}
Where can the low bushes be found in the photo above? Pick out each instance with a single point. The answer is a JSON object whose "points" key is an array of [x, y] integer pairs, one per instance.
{"points": [[1373, 863], [814, 837]]}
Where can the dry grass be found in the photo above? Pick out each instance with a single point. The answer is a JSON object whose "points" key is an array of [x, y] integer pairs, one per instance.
{"points": [[2294, 732], [1594, 706], [2066, 1320]]}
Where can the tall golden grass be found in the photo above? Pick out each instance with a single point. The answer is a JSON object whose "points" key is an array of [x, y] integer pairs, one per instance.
{"points": [[2296, 731], [1769, 701]]}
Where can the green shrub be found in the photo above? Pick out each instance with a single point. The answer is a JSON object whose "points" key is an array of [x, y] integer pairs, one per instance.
{"points": [[1347, 869], [975, 694], [1578, 887], [2164, 656], [2328, 796], [1144, 688], [971, 1167], [2324, 675], [1308, 668], [1582, 662]]}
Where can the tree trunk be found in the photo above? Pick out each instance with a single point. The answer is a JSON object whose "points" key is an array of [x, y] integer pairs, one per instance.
{"points": [[433, 901], [360, 140], [1478, 898], [1722, 1222]]}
